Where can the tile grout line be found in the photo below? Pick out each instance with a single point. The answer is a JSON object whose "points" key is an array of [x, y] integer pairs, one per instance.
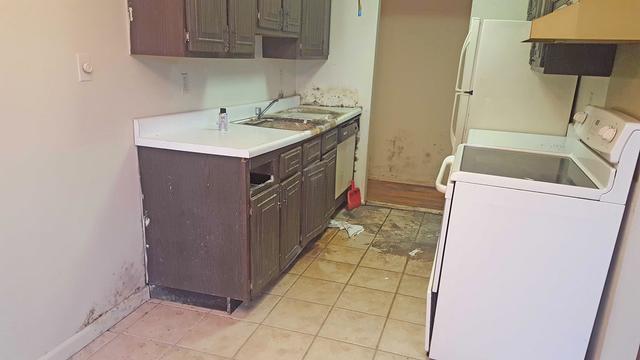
{"points": [[333, 307], [99, 347], [261, 323], [386, 320]]}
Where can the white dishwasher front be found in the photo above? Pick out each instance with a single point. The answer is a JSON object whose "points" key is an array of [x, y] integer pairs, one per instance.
{"points": [[345, 162]]}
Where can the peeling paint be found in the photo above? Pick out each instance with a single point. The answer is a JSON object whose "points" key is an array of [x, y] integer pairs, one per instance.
{"points": [[337, 97]]}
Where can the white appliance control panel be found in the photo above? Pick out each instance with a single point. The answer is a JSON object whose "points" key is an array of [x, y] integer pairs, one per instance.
{"points": [[605, 131]]}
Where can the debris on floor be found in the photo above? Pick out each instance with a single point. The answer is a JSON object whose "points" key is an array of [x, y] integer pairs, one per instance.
{"points": [[352, 230], [415, 252]]}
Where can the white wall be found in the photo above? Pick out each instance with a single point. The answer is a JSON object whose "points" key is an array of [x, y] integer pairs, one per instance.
{"points": [[350, 66], [617, 330], [70, 232], [592, 91], [500, 9]]}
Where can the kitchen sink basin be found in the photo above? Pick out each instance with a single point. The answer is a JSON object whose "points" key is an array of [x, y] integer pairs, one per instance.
{"points": [[286, 123], [304, 110]]}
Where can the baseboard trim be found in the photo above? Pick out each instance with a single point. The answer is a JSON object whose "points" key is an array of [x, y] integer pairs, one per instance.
{"points": [[404, 207], [83, 338]]}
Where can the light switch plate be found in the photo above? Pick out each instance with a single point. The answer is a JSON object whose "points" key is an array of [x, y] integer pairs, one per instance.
{"points": [[85, 67]]}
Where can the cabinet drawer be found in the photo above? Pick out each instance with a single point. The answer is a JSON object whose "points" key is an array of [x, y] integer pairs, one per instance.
{"points": [[347, 131], [290, 162], [311, 151], [329, 140]]}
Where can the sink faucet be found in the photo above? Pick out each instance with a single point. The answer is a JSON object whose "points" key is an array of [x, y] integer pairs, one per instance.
{"points": [[260, 112]]}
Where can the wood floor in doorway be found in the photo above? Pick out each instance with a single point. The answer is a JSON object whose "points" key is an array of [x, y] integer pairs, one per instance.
{"points": [[404, 195]]}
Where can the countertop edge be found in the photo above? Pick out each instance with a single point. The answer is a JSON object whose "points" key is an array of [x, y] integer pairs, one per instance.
{"points": [[231, 152]]}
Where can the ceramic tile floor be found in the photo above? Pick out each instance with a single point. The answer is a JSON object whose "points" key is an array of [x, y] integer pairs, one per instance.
{"points": [[357, 299]]}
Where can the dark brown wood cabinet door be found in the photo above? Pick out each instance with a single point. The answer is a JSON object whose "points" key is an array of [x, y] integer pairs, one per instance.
{"points": [[331, 183], [270, 14], [290, 217], [265, 239], [197, 228], [242, 27], [316, 23], [157, 27], [292, 12], [314, 185], [207, 26]]}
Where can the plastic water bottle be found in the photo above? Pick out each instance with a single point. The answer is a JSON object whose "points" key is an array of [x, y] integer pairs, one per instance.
{"points": [[223, 120]]}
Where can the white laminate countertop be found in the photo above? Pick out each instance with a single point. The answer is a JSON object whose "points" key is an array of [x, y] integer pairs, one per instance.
{"points": [[197, 131]]}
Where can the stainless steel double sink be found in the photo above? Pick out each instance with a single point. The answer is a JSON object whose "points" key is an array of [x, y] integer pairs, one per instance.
{"points": [[296, 119]]}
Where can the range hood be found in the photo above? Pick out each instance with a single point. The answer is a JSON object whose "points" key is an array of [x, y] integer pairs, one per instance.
{"points": [[590, 21]]}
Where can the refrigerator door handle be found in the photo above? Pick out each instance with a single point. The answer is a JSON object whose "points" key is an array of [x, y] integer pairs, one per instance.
{"points": [[454, 122], [463, 53]]}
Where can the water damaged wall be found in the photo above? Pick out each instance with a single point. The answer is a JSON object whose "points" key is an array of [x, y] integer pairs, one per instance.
{"points": [[418, 50], [71, 244]]}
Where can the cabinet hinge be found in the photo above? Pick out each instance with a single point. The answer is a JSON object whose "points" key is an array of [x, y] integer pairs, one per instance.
{"points": [[250, 211], [187, 38], [130, 10], [258, 15]]}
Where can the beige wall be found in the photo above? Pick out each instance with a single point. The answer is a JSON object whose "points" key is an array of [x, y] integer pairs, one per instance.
{"points": [[70, 216], [617, 334], [416, 64]]}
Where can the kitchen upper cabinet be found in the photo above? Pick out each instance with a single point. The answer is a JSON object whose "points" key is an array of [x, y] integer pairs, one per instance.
{"points": [[207, 28], [193, 28], [290, 219], [292, 13], [590, 21], [265, 238], [242, 14], [279, 17], [270, 14], [314, 186], [314, 37], [313, 43]]}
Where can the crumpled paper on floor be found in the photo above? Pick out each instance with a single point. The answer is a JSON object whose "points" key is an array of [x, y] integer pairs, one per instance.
{"points": [[352, 230]]}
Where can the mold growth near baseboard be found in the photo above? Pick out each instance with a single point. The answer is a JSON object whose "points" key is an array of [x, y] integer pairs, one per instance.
{"points": [[129, 281], [338, 97]]}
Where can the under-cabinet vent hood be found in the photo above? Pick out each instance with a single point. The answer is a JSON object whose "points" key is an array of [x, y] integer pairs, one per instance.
{"points": [[590, 21]]}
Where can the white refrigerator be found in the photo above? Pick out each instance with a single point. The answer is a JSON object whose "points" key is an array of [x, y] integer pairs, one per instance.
{"points": [[497, 90]]}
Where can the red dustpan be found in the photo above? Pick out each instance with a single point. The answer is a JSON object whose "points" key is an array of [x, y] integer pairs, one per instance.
{"points": [[354, 199]]}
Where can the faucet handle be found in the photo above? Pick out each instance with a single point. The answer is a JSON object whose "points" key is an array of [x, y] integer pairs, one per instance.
{"points": [[258, 110]]}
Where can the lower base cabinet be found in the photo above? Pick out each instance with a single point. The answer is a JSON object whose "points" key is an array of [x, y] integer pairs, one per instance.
{"points": [[290, 219], [219, 228], [265, 238], [330, 192], [314, 185]]}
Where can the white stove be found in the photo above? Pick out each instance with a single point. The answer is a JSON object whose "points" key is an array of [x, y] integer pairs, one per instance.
{"points": [[528, 231]]}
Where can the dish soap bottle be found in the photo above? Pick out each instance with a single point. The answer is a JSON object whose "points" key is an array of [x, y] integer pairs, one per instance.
{"points": [[223, 120]]}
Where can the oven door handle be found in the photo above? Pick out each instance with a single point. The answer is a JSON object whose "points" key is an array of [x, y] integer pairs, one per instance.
{"points": [[448, 161]]}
